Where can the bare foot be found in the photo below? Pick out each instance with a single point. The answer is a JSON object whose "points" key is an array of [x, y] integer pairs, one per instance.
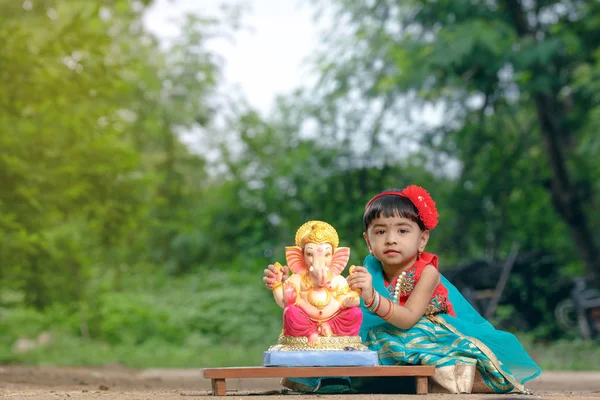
{"points": [[313, 339]]}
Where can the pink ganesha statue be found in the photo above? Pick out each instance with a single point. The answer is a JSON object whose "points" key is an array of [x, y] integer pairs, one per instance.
{"points": [[320, 310]]}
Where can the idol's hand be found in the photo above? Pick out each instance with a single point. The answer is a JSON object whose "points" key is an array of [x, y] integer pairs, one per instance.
{"points": [[361, 280], [351, 301], [275, 275], [290, 293]]}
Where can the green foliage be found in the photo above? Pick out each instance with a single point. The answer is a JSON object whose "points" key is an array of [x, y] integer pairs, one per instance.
{"points": [[91, 164], [70, 179], [510, 79]]}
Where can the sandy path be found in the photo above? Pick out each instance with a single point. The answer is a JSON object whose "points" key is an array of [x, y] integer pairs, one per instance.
{"points": [[116, 382]]}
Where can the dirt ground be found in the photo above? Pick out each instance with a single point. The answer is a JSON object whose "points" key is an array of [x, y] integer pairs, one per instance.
{"points": [[116, 382]]}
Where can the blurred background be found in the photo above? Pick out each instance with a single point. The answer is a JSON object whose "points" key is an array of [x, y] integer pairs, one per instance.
{"points": [[155, 156]]}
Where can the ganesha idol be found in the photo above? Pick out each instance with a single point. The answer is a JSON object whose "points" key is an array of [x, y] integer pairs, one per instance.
{"points": [[320, 311]]}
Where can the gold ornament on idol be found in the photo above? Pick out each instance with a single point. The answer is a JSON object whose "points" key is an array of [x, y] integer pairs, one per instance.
{"points": [[320, 304], [318, 232], [277, 284], [334, 343]]}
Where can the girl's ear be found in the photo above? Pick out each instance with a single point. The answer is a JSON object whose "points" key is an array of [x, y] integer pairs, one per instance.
{"points": [[424, 240]]}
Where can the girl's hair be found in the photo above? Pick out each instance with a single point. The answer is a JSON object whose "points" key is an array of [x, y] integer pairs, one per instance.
{"points": [[391, 206]]}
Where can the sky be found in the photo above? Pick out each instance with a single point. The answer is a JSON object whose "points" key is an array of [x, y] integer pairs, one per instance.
{"points": [[266, 57]]}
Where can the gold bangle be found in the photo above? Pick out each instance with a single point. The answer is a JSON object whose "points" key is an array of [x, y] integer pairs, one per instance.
{"points": [[276, 285]]}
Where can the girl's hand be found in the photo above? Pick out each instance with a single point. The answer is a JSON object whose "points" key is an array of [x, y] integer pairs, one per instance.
{"points": [[361, 280], [275, 275]]}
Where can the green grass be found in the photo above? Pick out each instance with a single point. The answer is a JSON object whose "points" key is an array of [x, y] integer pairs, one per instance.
{"points": [[196, 352], [563, 355], [71, 351]]}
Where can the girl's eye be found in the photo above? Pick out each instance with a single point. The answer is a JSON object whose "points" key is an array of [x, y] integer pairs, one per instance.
{"points": [[379, 232], [403, 231]]}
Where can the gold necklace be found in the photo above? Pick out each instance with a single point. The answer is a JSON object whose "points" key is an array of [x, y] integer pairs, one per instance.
{"points": [[319, 304], [404, 286]]}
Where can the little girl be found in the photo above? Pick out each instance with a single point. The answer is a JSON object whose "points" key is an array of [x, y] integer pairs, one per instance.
{"points": [[413, 315]]}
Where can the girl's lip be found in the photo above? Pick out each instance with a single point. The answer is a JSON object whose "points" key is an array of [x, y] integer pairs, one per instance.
{"points": [[391, 251]]}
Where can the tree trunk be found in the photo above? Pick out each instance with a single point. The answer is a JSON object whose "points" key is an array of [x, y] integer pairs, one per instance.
{"points": [[564, 194]]}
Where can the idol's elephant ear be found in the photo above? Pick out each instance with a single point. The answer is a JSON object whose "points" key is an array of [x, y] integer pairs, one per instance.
{"points": [[340, 259], [295, 259]]}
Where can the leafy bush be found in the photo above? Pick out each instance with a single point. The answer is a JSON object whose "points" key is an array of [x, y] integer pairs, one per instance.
{"points": [[154, 321]]}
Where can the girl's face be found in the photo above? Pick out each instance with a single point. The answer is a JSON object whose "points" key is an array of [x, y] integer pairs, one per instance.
{"points": [[395, 241]]}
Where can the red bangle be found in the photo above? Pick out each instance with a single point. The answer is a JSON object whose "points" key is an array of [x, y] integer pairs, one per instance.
{"points": [[389, 311], [378, 305], [372, 301]]}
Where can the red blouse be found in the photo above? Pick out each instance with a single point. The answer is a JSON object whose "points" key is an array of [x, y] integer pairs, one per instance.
{"points": [[439, 303]]}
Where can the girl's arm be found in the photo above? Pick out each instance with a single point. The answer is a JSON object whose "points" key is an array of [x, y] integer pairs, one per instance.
{"points": [[404, 317]]}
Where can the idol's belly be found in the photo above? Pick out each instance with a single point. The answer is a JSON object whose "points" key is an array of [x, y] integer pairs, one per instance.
{"points": [[319, 305]]}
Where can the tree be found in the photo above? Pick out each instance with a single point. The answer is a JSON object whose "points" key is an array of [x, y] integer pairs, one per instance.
{"points": [[72, 190], [506, 75], [178, 97]]}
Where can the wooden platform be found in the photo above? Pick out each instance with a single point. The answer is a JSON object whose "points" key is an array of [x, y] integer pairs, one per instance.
{"points": [[219, 375]]}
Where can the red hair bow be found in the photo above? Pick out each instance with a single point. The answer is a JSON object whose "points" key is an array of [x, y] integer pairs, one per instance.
{"points": [[422, 201]]}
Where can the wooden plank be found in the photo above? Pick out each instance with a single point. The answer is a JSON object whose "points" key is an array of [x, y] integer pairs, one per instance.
{"points": [[422, 385], [307, 372]]}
